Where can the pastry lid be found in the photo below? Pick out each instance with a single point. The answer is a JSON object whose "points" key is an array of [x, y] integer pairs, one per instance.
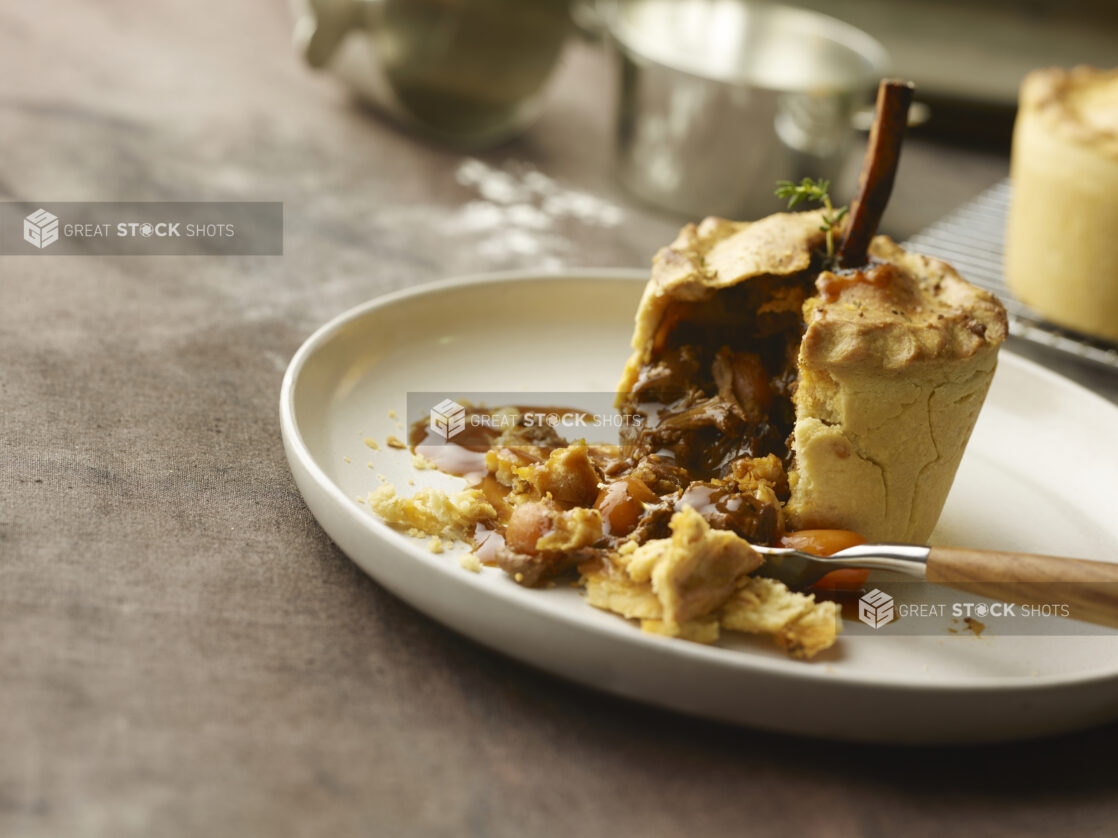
{"points": [[1081, 104], [926, 311], [718, 254]]}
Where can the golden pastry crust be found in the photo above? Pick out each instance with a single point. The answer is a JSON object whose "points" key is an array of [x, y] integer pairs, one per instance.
{"points": [[697, 581], [1061, 255], [568, 475], [891, 383], [432, 511], [1081, 104], [800, 625], [923, 312], [676, 580], [571, 529]]}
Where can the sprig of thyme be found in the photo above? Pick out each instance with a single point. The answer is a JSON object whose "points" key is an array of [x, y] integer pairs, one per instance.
{"points": [[818, 191]]}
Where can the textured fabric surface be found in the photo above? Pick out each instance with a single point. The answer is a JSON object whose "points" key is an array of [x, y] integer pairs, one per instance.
{"points": [[182, 650]]}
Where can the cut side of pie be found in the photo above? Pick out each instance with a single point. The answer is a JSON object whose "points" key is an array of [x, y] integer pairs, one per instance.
{"points": [[777, 394]]}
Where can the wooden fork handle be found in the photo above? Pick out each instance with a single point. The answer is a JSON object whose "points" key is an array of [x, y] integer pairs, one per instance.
{"points": [[1089, 589]]}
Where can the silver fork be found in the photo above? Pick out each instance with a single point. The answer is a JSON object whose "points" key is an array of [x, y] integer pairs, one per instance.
{"points": [[798, 569], [1088, 588]]}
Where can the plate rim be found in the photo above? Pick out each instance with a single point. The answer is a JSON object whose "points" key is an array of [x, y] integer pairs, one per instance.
{"points": [[296, 446]]}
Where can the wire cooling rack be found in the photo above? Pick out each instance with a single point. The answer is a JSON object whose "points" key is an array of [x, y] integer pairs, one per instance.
{"points": [[972, 238]]}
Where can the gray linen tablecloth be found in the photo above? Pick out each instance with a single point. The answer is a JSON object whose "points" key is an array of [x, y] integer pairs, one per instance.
{"points": [[182, 650]]}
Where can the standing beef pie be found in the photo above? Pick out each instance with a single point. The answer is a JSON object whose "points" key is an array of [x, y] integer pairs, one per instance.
{"points": [[1061, 254], [849, 395]]}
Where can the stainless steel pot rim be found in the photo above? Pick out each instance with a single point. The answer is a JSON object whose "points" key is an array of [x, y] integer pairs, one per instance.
{"points": [[639, 47]]}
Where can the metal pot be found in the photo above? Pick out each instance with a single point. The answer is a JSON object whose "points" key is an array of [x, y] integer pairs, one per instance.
{"points": [[719, 99]]}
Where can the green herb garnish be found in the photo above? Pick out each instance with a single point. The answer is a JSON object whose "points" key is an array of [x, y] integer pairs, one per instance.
{"points": [[809, 190]]}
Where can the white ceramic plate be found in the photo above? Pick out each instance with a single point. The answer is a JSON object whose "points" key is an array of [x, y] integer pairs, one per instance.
{"points": [[1038, 476]]}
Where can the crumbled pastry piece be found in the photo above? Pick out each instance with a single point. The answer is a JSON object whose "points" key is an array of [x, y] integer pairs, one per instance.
{"points": [[372, 443], [435, 544], [611, 589], [432, 511], [395, 442], [422, 463], [568, 475], [675, 580], [693, 572], [800, 625], [470, 562], [570, 530], [691, 584], [760, 483], [504, 463], [812, 632], [764, 606], [750, 473]]}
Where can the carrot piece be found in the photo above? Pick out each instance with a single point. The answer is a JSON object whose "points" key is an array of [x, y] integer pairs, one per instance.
{"points": [[826, 543], [821, 542], [845, 579]]}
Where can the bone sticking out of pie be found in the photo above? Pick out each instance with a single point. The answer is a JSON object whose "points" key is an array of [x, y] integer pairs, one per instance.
{"points": [[862, 379]]}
